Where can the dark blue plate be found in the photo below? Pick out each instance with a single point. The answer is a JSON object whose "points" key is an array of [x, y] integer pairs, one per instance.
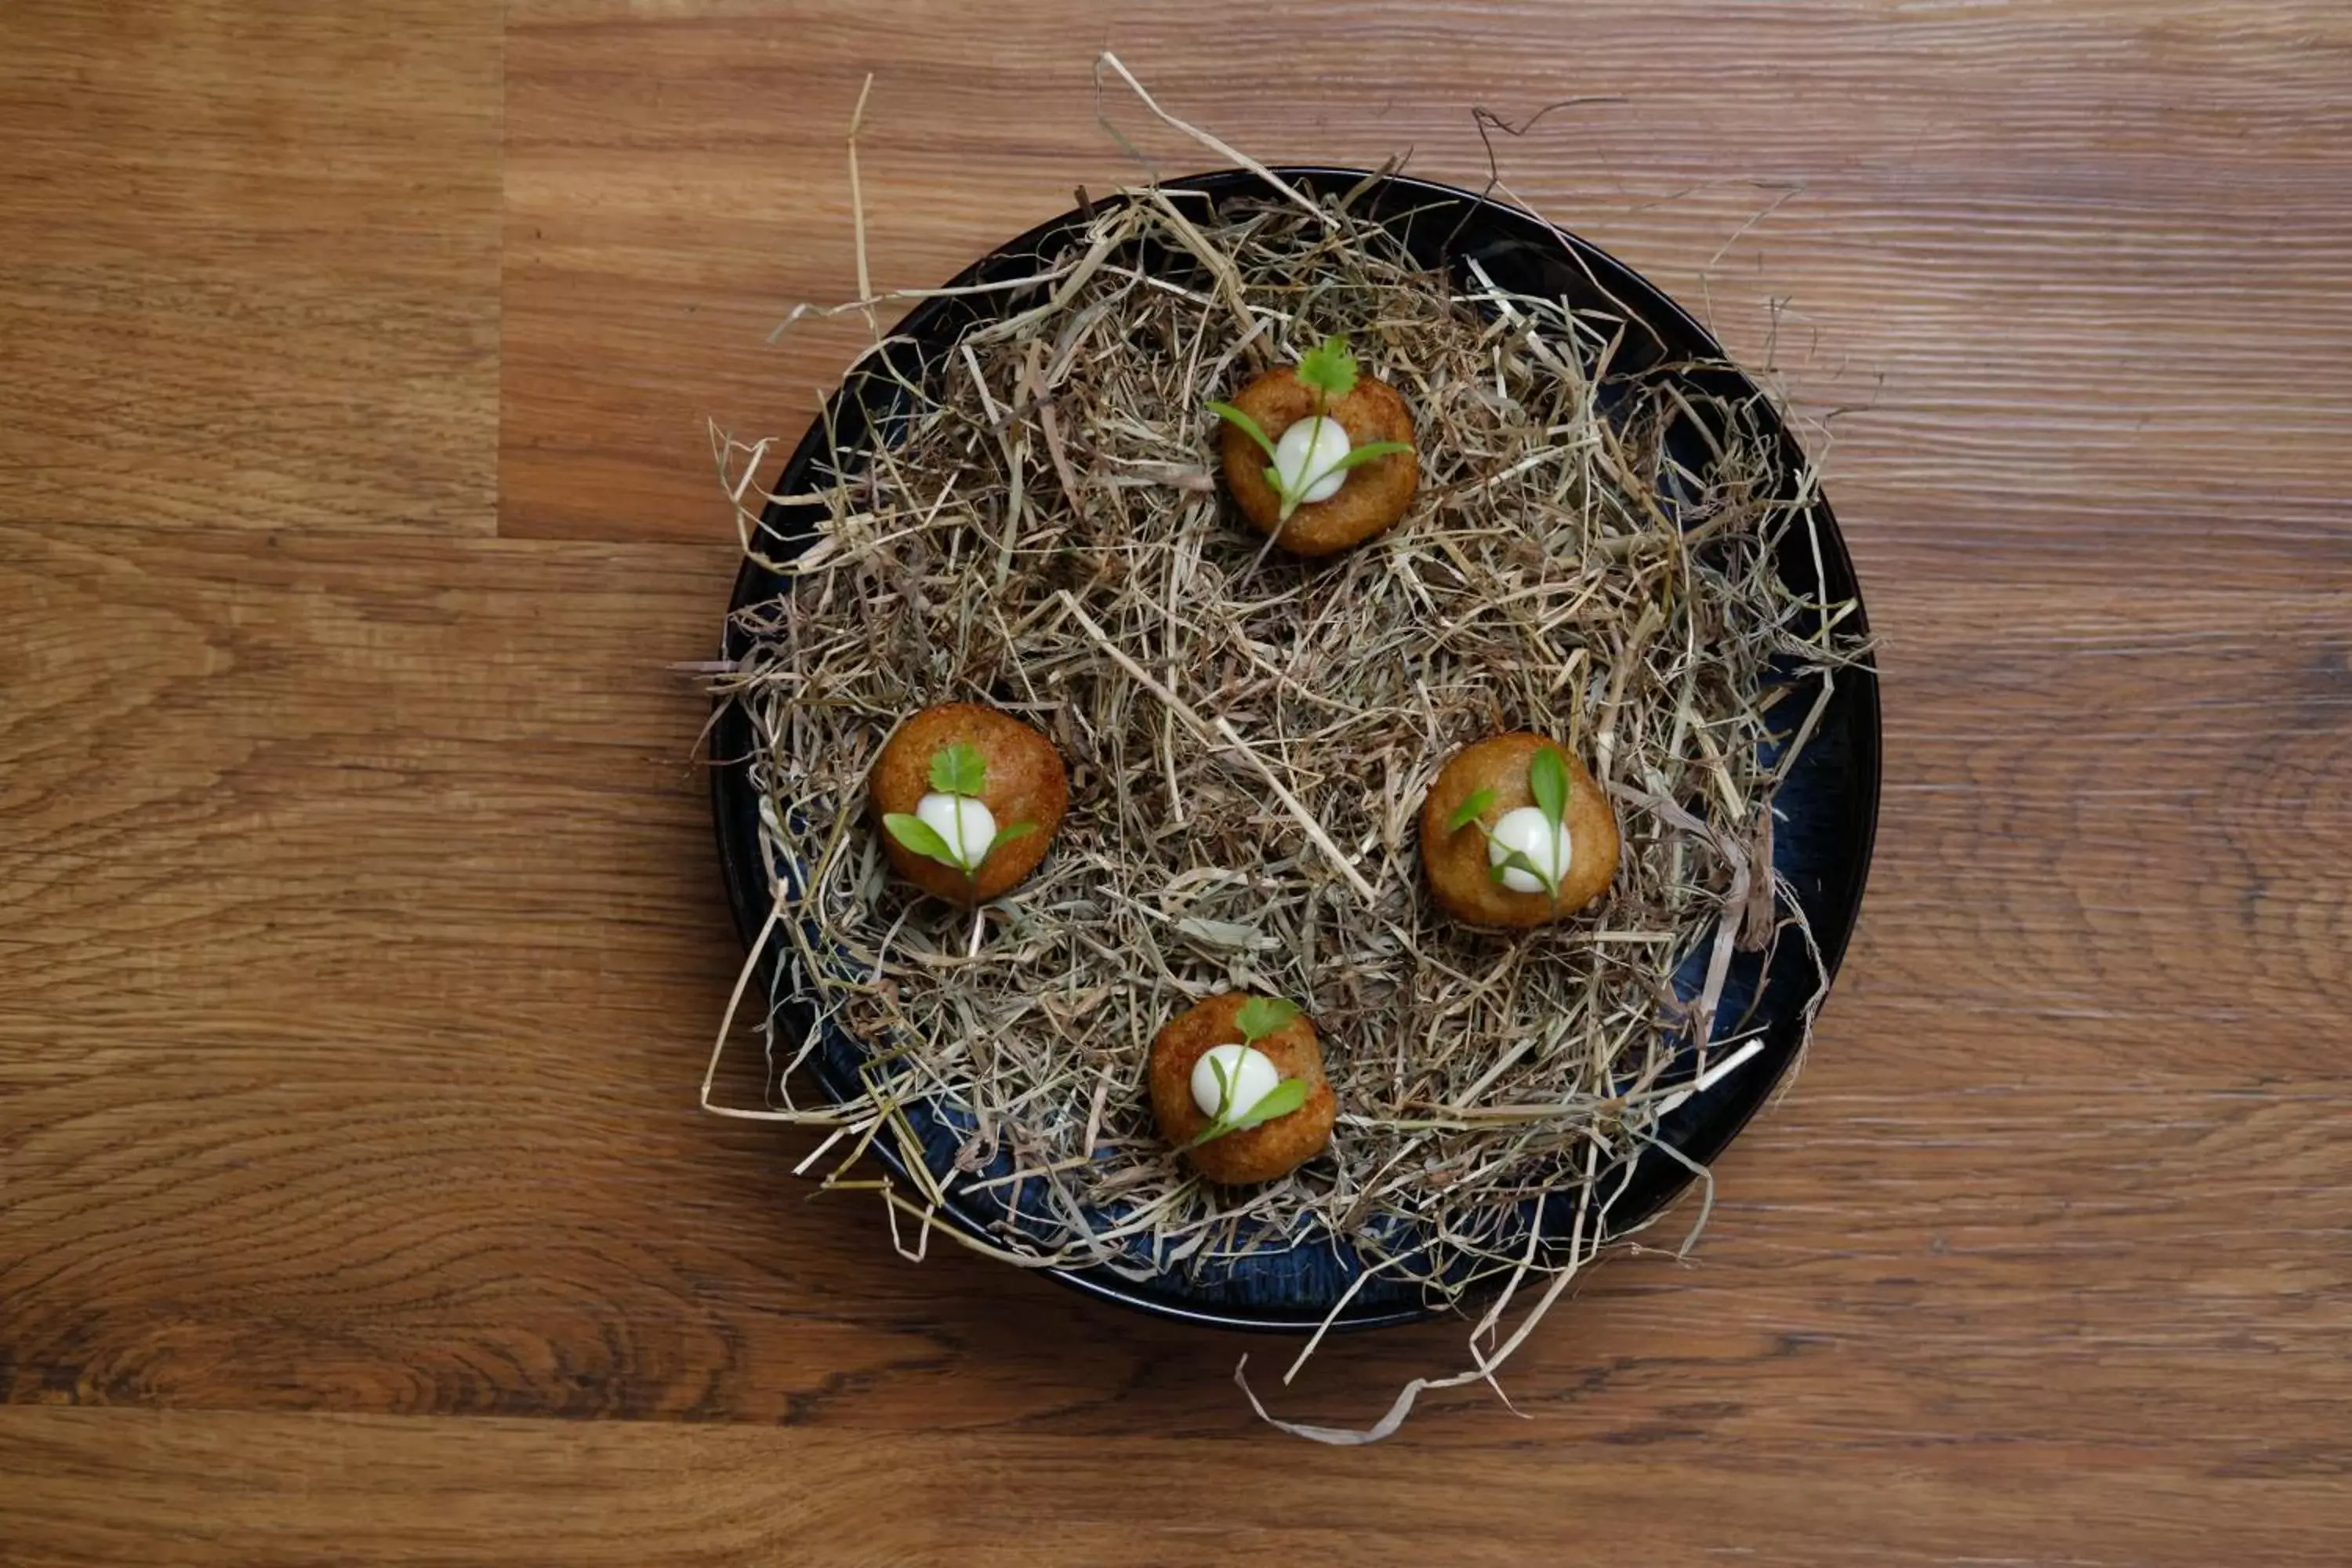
{"points": [[1829, 805]]}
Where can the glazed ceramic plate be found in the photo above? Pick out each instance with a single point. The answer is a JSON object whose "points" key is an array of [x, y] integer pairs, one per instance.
{"points": [[1828, 806]]}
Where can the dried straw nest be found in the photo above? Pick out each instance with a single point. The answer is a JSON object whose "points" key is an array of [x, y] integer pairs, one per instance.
{"points": [[1250, 736]]}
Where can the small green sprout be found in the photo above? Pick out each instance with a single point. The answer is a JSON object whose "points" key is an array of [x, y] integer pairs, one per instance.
{"points": [[1258, 1018], [1327, 370], [956, 768]]}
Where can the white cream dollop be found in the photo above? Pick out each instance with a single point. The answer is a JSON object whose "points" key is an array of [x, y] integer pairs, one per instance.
{"points": [[1312, 447], [967, 826], [1528, 831], [1250, 1070]]}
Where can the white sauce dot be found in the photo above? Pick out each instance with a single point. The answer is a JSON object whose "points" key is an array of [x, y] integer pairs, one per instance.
{"points": [[1312, 447], [1257, 1078], [1528, 831], [964, 822]]}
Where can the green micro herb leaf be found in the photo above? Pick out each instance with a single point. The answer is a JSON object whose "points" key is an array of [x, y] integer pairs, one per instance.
{"points": [[1280, 1100], [957, 768], [1547, 782], [1007, 833], [1470, 810], [1329, 369], [922, 839], [1218, 1126], [1244, 424], [1358, 456], [1261, 1016], [1517, 861]]}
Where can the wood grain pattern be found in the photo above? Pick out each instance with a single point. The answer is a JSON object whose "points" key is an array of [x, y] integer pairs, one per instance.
{"points": [[251, 263], [360, 938], [368, 1491]]}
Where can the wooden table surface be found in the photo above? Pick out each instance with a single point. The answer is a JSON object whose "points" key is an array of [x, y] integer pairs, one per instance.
{"points": [[361, 936]]}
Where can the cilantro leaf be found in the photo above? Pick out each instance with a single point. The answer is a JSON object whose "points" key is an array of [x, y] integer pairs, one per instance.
{"points": [[1328, 368], [957, 768], [1261, 1016]]}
